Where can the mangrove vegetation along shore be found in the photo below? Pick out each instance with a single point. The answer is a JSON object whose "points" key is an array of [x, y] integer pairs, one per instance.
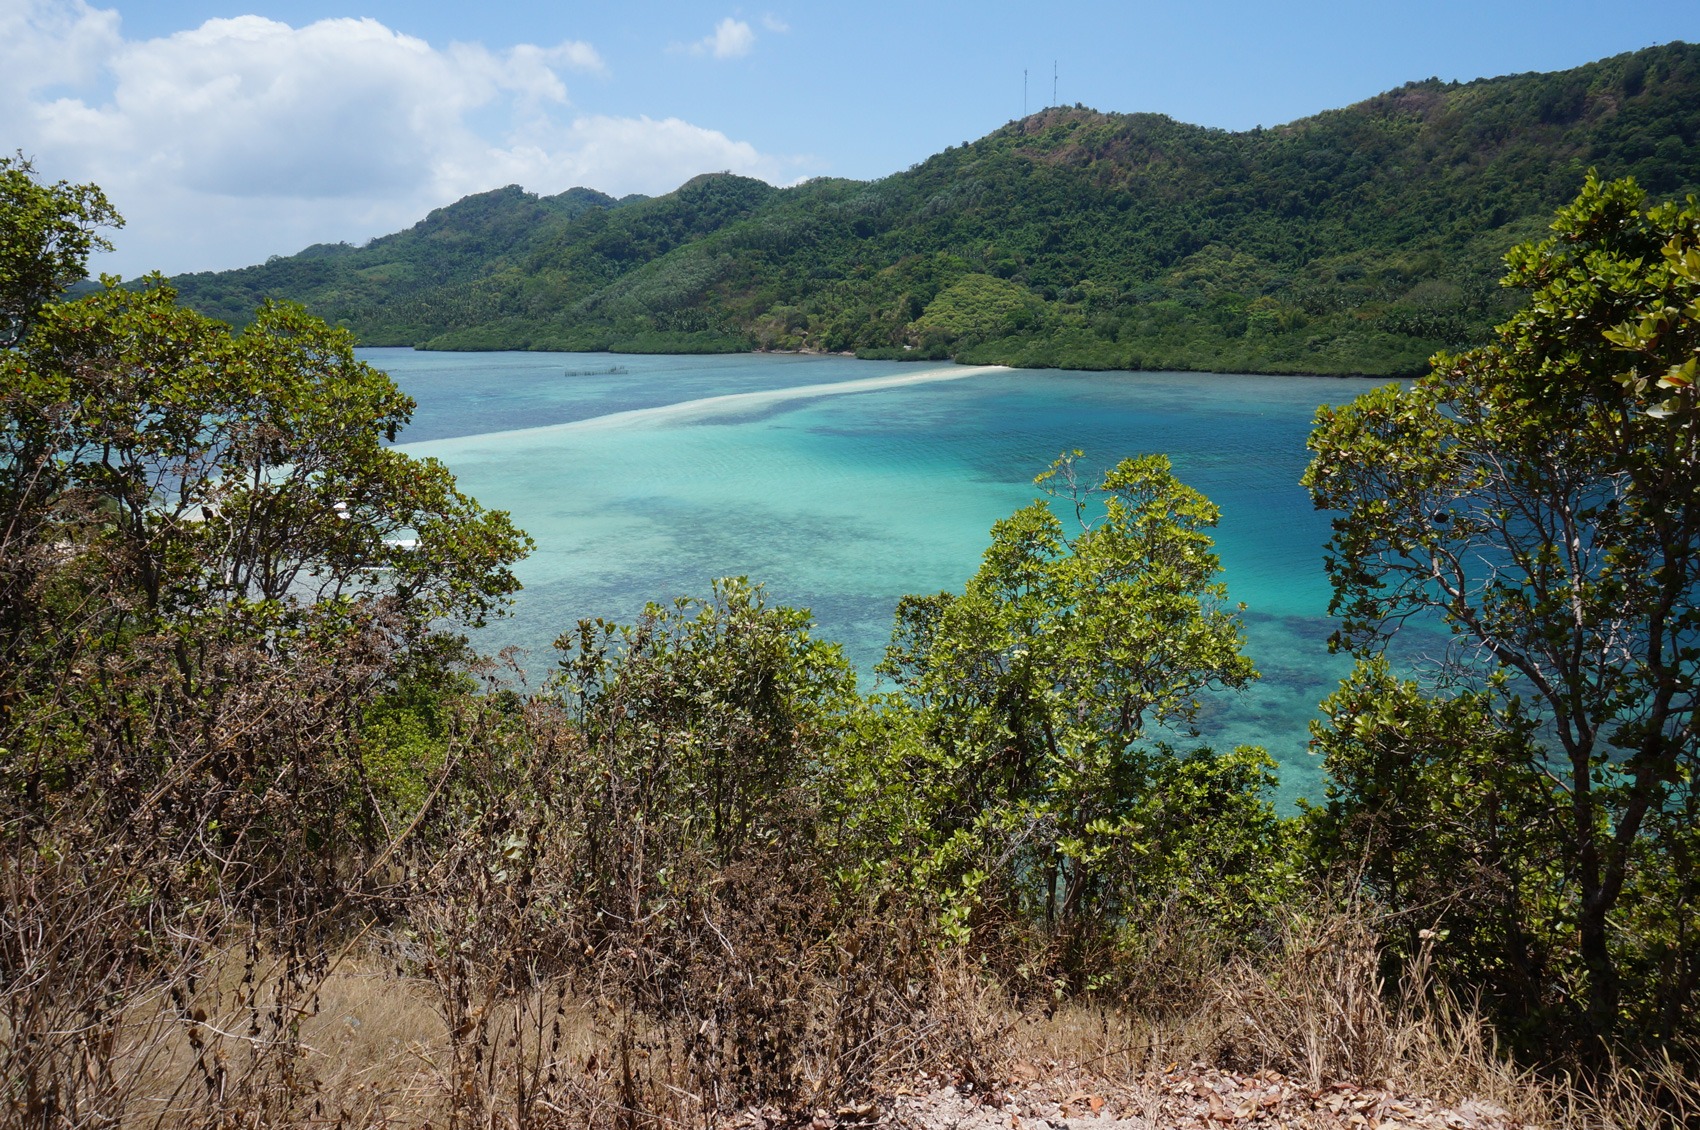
{"points": [[250, 772], [1357, 241]]}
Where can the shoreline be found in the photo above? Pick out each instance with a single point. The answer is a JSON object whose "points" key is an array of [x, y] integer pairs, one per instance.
{"points": [[851, 355]]}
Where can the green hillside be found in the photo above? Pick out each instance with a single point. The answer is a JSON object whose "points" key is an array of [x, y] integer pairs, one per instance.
{"points": [[1356, 241]]}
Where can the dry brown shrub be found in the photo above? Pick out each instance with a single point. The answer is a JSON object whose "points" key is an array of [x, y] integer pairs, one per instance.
{"points": [[1314, 1007], [189, 817]]}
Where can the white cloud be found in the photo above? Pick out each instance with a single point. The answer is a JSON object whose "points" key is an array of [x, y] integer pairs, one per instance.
{"points": [[623, 155], [48, 43], [730, 39], [247, 137], [774, 24]]}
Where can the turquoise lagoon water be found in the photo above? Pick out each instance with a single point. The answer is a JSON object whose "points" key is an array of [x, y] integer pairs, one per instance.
{"points": [[843, 484]]}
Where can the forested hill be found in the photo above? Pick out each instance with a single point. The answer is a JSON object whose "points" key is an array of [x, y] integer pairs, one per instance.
{"points": [[1356, 241]]}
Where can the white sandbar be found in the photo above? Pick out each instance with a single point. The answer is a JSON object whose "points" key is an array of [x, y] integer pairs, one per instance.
{"points": [[708, 407]]}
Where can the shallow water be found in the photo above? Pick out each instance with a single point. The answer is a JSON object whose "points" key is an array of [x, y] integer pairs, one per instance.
{"points": [[844, 484]]}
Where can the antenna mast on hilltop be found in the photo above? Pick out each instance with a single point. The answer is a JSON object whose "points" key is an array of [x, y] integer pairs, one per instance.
{"points": [[1053, 82]]}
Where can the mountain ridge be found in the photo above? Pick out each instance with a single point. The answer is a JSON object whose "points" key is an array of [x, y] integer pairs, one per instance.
{"points": [[1355, 240]]}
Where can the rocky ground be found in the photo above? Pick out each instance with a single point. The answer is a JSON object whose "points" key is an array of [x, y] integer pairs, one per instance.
{"points": [[1195, 1096]]}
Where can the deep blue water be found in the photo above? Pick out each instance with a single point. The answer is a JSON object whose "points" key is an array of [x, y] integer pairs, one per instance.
{"points": [[841, 499]]}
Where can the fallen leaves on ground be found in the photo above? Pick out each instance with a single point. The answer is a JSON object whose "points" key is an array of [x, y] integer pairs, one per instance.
{"points": [[1184, 1097]]}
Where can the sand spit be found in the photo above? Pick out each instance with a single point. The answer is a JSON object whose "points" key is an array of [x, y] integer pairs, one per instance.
{"points": [[708, 407]]}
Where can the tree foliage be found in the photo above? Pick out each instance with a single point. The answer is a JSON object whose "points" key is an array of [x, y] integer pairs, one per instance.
{"points": [[239, 468], [1537, 497], [187, 516], [714, 716], [1031, 706], [1439, 806], [45, 242]]}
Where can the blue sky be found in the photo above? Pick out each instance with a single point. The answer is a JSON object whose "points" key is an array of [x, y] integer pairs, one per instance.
{"points": [[230, 130]]}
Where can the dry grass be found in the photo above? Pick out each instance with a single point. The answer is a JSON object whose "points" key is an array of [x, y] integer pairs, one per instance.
{"points": [[370, 1047], [362, 1047], [353, 1046], [1315, 1011]]}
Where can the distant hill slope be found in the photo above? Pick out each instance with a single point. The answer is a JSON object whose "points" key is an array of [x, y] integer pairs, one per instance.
{"points": [[1356, 241]]}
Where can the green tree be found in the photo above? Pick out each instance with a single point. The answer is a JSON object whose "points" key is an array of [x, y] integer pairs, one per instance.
{"points": [[1538, 498], [709, 720], [178, 501], [978, 308], [1033, 690], [242, 467], [1438, 804], [45, 240], [160, 475]]}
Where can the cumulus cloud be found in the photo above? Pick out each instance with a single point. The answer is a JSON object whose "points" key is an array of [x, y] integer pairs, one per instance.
{"points": [[623, 155], [252, 107], [246, 137], [774, 24], [49, 43], [730, 39]]}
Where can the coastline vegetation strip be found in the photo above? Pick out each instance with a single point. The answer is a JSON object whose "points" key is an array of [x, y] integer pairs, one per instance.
{"points": [[707, 407]]}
